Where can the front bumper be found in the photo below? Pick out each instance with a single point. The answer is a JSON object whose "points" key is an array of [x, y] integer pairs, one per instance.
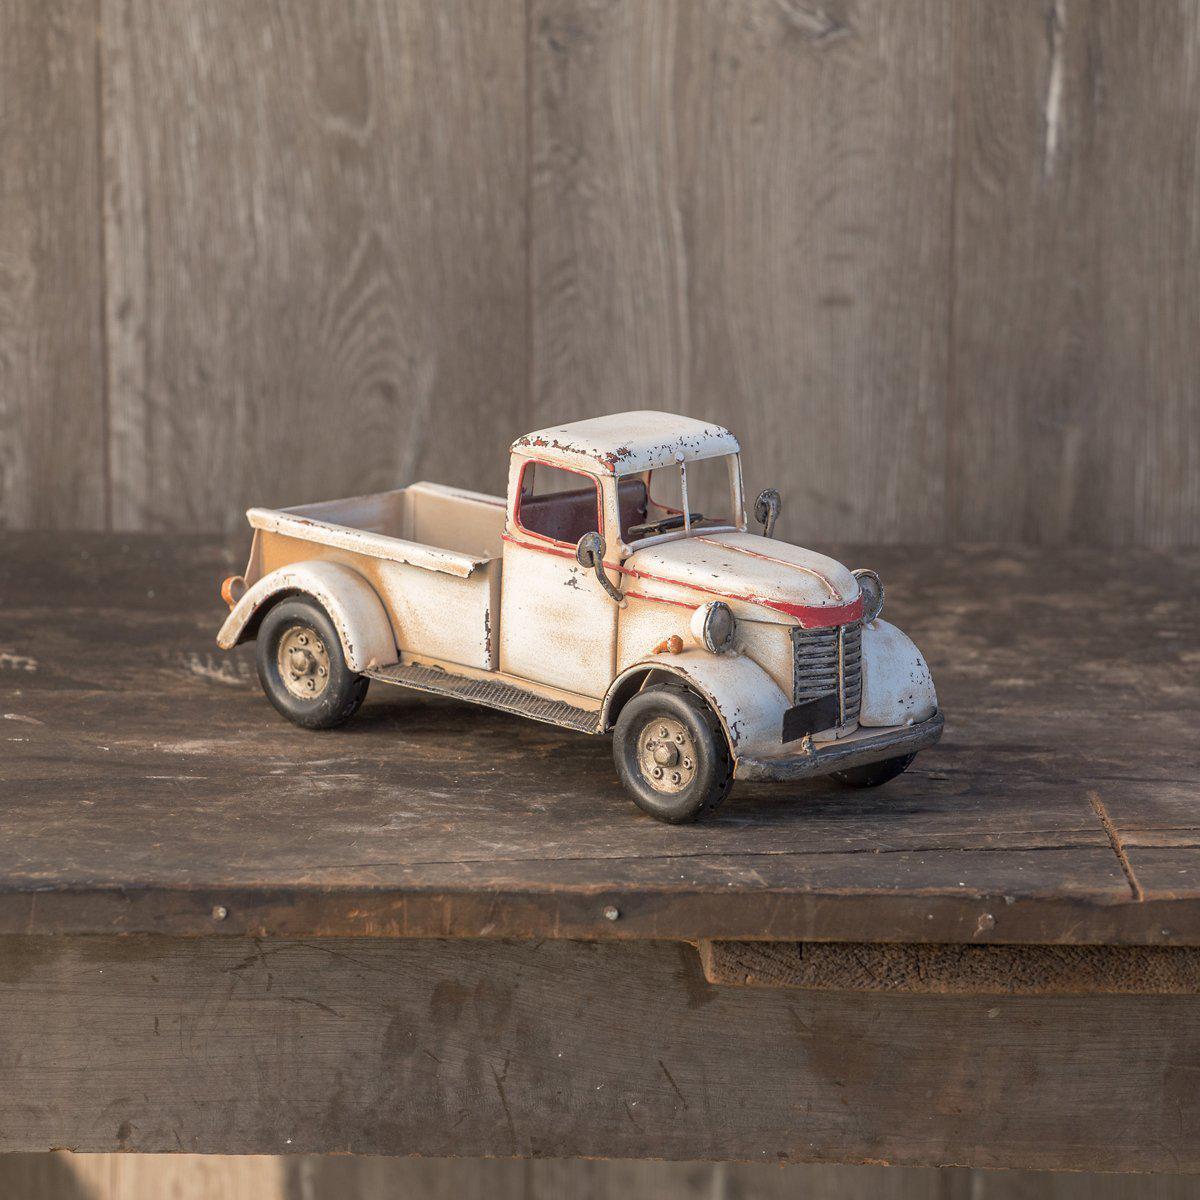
{"points": [[863, 746]]}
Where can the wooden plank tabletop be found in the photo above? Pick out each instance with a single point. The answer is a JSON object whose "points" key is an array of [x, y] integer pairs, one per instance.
{"points": [[148, 786]]}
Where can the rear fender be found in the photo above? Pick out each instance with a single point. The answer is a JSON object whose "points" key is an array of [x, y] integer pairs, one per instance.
{"points": [[353, 606], [745, 698]]}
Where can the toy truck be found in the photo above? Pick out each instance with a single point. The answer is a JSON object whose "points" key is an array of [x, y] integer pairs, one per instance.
{"points": [[616, 590]]}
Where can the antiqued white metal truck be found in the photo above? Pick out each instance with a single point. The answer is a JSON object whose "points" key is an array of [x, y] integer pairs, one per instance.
{"points": [[616, 590]]}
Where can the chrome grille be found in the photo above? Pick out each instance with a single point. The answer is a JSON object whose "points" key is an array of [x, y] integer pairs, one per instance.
{"points": [[826, 662], [851, 672]]}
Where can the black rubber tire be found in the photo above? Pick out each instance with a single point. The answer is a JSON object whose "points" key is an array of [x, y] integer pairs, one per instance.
{"points": [[873, 774], [714, 764], [345, 690]]}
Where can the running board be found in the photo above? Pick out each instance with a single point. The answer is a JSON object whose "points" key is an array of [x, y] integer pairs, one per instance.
{"points": [[490, 692]]}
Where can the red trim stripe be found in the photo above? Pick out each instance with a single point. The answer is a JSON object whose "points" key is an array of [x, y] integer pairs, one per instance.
{"points": [[779, 562], [660, 599], [810, 616]]}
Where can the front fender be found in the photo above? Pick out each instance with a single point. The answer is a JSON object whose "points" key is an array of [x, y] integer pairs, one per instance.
{"points": [[745, 698], [897, 688], [354, 608]]}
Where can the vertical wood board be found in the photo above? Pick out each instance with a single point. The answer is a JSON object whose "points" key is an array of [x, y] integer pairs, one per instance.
{"points": [[742, 212], [1074, 413], [52, 421], [315, 235]]}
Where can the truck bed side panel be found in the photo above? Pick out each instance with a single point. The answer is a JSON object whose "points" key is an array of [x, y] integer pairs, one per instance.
{"points": [[432, 613]]}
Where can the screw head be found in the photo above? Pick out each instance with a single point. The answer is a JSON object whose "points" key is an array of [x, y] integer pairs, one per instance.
{"points": [[219, 912], [611, 912]]}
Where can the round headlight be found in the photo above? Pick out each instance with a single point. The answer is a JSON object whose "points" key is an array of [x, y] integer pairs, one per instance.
{"points": [[871, 587], [713, 625]]}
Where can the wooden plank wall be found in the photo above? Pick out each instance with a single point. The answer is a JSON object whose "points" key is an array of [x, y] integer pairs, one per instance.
{"points": [[315, 228], [937, 262], [52, 413]]}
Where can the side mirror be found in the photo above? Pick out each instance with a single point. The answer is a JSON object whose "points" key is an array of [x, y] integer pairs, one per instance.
{"points": [[766, 510], [589, 553], [590, 550]]}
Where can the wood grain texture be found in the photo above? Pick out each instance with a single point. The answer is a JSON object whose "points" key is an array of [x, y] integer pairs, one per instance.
{"points": [[740, 212], [568, 1049], [146, 780], [52, 421], [65, 1176], [935, 263], [955, 969], [341, 1178], [1075, 414], [315, 232], [61, 1176], [326, 1178]]}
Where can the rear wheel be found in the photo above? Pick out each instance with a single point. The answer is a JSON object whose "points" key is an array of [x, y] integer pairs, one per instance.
{"points": [[671, 754], [873, 774], [302, 668]]}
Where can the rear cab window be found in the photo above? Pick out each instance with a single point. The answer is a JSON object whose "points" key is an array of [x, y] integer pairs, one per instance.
{"points": [[557, 504]]}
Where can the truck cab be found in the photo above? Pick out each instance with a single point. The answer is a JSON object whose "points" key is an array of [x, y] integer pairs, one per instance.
{"points": [[617, 589]]}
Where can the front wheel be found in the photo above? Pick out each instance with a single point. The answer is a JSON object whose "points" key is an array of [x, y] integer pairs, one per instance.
{"points": [[671, 754], [302, 668], [873, 774]]}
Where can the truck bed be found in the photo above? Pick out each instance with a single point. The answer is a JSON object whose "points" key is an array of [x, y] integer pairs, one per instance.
{"points": [[427, 524], [432, 554]]}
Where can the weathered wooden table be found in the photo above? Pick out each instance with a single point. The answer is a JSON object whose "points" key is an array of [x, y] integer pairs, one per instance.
{"points": [[222, 933]]}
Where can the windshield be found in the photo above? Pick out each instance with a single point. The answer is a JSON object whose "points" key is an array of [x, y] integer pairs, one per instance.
{"points": [[653, 502]]}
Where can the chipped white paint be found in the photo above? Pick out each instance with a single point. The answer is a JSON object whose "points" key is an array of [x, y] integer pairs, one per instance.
{"points": [[11, 661], [558, 625], [353, 606], [23, 719], [450, 579], [897, 688], [744, 697], [383, 517], [627, 443], [749, 572]]}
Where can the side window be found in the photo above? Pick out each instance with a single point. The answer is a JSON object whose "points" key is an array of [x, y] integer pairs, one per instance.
{"points": [[557, 504]]}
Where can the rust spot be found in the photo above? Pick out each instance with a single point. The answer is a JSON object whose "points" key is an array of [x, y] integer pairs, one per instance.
{"points": [[611, 457], [671, 645], [542, 443]]}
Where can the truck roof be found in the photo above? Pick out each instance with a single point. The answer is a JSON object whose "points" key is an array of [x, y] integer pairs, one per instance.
{"points": [[627, 443]]}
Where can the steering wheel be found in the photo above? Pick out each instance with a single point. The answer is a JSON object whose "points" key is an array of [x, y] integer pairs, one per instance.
{"points": [[663, 526]]}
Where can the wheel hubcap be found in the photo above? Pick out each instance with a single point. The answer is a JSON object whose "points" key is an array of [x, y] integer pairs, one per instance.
{"points": [[303, 663], [666, 754]]}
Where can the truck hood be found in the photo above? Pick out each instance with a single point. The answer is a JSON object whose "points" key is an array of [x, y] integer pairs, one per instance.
{"points": [[750, 572]]}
